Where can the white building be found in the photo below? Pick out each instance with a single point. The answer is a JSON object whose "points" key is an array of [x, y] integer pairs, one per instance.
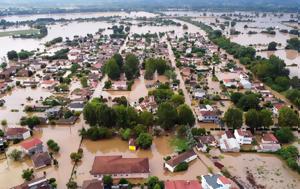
{"points": [[243, 136], [183, 157]]}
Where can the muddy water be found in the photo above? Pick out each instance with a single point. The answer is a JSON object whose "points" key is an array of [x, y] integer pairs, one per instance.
{"points": [[268, 170], [68, 140], [16, 100], [57, 30], [290, 57], [160, 148]]}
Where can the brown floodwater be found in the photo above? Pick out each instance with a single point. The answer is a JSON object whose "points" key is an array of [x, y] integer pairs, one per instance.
{"points": [[16, 100], [290, 57], [267, 169], [160, 148]]}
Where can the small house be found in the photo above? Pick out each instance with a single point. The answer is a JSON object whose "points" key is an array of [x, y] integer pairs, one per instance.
{"points": [[40, 183], [76, 106], [269, 143], [229, 144], [243, 136], [208, 140], [54, 112], [187, 157], [41, 159], [216, 181], [32, 146], [17, 133], [201, 147], [230, 83]]}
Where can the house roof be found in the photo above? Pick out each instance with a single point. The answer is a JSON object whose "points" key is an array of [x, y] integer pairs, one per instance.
{"points": [[28, 144], [229, 134], [211, 180], [40, 183], [207, 139], [208, 113], [119, 165], [92, 184], [182, 184], [224, 180], [41, 159], [180, 158], [269, 137], [16, 131], [244, 133]]}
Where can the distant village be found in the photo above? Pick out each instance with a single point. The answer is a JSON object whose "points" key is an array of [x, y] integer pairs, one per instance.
{"points": [[139, 88]]}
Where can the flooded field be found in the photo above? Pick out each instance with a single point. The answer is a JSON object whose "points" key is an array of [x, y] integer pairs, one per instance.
{"points": [[268, 170], [17, 99]]}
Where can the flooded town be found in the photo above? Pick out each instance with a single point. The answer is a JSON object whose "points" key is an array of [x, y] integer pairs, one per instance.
{"points": [[159, 99]]}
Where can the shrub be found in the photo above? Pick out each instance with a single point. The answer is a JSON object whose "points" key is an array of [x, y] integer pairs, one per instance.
{"points": [[183, 166]]}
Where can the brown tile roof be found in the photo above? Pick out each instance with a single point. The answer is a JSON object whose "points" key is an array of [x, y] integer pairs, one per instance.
{"points": [[182, 184], [92, 184], [15, 131], [209, 139], [270, 138], [41, 159], [180, 158], [119, 165], [244, 133]]}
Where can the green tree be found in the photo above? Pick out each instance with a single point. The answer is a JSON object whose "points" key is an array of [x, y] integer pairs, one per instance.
{"points": [[157, 186], [27, 174], [125, 116], [252, 119], [131, 66], [266, 118], [185, 115], [287, 117], [107, 180], [235, 97], [15, 155], [272, 46], [119, 59], [144, 140], [139, 129], [167, 115], [126, 134], [248, 101], [146, 118], [177, 100], [153, 181], [233, 118], [76, 156], [72, 184], [84, 82], [12, 55], [285, 135], [112, 69]]}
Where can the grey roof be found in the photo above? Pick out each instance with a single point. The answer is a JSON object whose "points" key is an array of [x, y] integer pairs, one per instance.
{"points": [[212, 180], [76, 105]]}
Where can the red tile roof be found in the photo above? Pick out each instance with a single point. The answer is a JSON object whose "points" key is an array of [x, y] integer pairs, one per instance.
{"points": [[270, 137], [119, 165], [182, 184], [28, 144], [224, 180]]}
